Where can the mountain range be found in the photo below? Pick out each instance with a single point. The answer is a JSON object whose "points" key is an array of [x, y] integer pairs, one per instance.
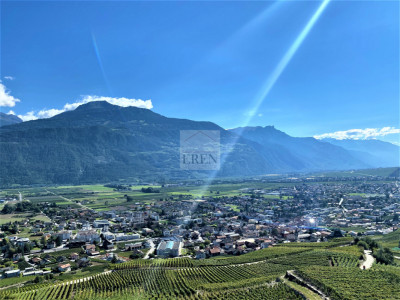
{"points": [[8, 119], [374, 152], [101, 142]]}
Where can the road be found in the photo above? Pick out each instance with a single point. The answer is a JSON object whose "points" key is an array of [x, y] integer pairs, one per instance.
{"points": [[368, 261], [26, 257], [36, 252], [152, 248], [59, 248]]}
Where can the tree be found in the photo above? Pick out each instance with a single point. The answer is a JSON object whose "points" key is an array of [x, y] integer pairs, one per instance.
{"points": [[27, 248], [128, 198], [150, 190], [38, 279], [58, 241], [106, 243], [114, 259], [43, 241], [384, 256], [371, 243], [274, 232], [8, 209], [363, 244], [136, 254], [337, 233]]}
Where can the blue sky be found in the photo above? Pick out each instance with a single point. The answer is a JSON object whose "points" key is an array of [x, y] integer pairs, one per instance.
{"points": [[209, 60]]}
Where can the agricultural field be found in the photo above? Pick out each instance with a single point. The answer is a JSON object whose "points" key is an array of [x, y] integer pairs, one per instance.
{"points": [[331, 267], [7, 218], [100, 197], [390, 240], [353, 283], [384, 172], [11, 218]]}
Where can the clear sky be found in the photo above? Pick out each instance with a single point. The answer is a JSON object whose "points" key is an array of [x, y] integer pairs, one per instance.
{"points": [[209, 60]]}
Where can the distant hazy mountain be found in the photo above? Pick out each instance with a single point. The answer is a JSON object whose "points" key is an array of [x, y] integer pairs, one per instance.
{"points": [[374, 152], [383, 172], [7, 119], [100, 142], [310, 153]]}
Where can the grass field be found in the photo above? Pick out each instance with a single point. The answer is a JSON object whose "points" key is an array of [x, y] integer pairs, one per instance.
{"points": [[233, 207], [12, 218], [384, 172], [390, 240], [16, 280], [103, 198]]}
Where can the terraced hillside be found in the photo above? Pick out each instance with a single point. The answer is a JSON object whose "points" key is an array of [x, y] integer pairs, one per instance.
{"points": [[331, 268]]}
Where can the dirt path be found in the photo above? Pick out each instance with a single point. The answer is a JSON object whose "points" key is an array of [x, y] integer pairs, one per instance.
{"points": [[20, 284], [369, 260], [66, 199], [70, 281], [292, 276], [151, 250], [307, 293]]}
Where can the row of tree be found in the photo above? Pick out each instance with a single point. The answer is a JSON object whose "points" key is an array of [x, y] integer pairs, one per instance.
{"points": [[24, 206]]}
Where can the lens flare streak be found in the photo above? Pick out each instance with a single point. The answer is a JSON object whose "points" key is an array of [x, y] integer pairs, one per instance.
{"points": [[100, 62], [272, 79]]}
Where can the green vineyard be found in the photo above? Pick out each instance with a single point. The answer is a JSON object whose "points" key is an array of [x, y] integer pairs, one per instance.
{"points": [[353, 283], [258, 275]]}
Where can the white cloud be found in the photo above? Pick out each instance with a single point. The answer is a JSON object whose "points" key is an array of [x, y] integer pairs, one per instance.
{"points": [[124, 102], [359, 134], [49, 113], [28, 116], [5, 98], [11, 112], [9, 77]]}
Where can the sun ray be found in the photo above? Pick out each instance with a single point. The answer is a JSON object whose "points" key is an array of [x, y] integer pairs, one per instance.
{"points": [[100, 62], [271, 80]]}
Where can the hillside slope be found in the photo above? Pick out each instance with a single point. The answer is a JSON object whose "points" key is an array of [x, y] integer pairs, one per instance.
{"points": [[313, 154], [374, 152], [100, 142], [7, 119]]}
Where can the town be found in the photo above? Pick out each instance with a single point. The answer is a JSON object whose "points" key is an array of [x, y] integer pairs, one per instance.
{"points": [[47, 239]]}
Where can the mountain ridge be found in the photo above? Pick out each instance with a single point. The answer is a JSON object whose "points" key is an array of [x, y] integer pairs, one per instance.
{"points": [[314, 154], [100, 142], [8, 119], [377, 153]]}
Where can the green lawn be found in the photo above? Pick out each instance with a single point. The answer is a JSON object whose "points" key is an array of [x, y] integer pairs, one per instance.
{"points": [[390, 240], [234, 207], [11, 218], [11, 281], [41, 218]]}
